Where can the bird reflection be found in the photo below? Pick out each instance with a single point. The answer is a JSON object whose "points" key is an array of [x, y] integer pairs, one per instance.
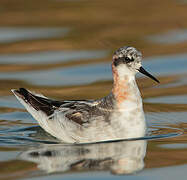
{"points": [[123, 157]]}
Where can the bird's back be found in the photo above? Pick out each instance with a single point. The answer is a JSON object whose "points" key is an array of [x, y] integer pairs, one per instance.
{"points": [[70, 121]]}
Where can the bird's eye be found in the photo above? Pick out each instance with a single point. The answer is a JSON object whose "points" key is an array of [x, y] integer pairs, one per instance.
{"points": [[127, 59]]}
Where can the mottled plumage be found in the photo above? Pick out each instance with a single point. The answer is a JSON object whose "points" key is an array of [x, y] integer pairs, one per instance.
{"points": [[117, 116]]}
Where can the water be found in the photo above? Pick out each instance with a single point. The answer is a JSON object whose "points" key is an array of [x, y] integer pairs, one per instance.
{"points": [[50, 57], [76, 75], [171, 37], [169, 99], [40, 53], [13, 34]]}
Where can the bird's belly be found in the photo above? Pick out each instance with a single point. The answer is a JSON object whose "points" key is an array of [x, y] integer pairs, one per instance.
{"points": [[129, 124], [120, 126]]}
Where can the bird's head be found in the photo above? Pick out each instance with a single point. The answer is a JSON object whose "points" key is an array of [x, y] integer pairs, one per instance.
{"points": [[127, 61]]}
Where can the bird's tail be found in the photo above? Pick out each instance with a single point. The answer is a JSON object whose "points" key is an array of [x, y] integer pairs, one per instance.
{"points": [[43, 110], [31, 100], [38, 106]]}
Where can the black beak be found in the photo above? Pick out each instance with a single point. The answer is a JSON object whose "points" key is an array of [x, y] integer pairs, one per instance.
{"points": [[143, 71]]}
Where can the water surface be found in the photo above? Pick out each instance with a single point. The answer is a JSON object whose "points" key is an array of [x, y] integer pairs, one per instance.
{"points": [[171, 37], [40, 53], [13, 34]]}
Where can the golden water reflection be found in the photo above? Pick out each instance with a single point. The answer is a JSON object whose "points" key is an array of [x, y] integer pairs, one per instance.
{"points": [[92, 25]]}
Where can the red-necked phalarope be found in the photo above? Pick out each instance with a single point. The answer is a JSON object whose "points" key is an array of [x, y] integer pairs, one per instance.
{"points": [[117, 116]]}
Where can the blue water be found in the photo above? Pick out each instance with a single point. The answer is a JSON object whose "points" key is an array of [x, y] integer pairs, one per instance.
{"points": [[168, 64], [165, 173], [51, 57], [63, 76], [22, 139], [180, 99], [170, 37], [163, 65], [14, 34]]}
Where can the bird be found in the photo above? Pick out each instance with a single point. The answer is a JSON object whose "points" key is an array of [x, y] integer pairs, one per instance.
{"points": [[119, 115]]}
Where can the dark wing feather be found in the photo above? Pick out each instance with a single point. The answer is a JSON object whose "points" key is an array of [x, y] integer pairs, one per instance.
{"points": [[76, 111], [39, 103], [79, 111]]}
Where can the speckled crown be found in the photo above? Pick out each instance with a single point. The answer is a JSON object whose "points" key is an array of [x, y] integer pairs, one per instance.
{"points": [[127, 51]]}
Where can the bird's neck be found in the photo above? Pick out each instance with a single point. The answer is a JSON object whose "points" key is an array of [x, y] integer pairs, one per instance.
{"points": [[125, 88]]}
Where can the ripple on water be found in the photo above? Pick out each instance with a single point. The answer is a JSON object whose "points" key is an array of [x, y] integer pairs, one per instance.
{"points": [[13, 123], [166, 65], [16, 129], [163, 65], [12, 34], [180, 99], [8, 155], [10, 102], [24, 117], [60, 76], [170, 37], [119, 157], [167, 120], [174, 146], [51, 57]]}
